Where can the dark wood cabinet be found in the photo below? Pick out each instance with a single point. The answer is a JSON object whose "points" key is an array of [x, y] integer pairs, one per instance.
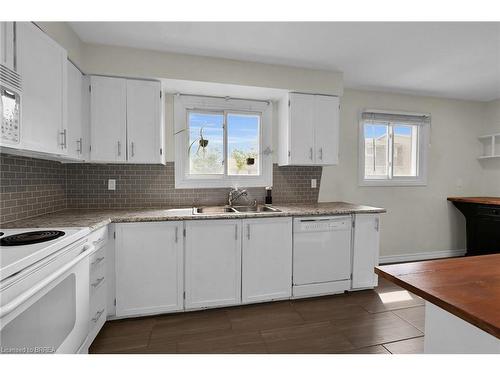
{"points": [[482, 226]]}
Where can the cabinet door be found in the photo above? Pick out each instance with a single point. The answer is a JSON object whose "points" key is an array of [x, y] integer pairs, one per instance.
{"points": [[266, 259], [326, 127], [301, 142], [144, 130], [7, 44], [76, 116], [108, 119], [149, 263], [213, 263], [366, 250], [42, 65]]}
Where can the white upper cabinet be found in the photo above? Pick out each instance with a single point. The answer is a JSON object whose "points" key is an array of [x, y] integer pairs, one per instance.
{"points": [[108, 119], [78, 111], [7, 45], [301, 119], [213, 263], [126, 121], [309, 130], [144, 120], [326, 128], [42, 66], [266, 259]]}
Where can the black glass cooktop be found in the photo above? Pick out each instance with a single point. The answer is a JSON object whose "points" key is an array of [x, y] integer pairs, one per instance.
{"points": [[29, 238]]}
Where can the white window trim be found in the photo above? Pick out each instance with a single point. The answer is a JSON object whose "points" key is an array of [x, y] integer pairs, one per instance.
{"points": [[423, 139], [184, 103]]}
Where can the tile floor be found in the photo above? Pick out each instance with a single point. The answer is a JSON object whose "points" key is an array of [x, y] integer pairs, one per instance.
{"points": [[381, 321]]}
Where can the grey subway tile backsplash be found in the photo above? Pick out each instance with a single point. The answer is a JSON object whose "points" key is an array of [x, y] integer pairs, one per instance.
{"points": [[31, 187]]}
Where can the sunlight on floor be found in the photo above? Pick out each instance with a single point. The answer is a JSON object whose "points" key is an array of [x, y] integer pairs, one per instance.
{"points": [[398, 296]]}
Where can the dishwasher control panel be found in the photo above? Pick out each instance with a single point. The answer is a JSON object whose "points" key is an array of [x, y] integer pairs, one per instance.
{"points": [[322, 224]]}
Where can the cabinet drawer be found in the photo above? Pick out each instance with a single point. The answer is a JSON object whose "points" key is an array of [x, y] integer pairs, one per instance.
{"points": [[97, 312], [97, 260], [97, 281], [489, 211], [99, 237]]}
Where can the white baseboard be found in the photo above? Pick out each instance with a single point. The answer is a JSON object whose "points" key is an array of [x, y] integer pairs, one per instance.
{"points": [[384, 259]]}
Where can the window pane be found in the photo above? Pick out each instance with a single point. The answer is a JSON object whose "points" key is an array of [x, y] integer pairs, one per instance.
{"points": [[243, 144], [405, 150], [376, 150], [206, 143]]}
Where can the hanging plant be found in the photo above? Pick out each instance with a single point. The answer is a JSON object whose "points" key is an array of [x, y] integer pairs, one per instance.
{"points": [[202, 143]]}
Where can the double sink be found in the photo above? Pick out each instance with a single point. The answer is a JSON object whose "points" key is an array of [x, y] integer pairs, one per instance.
{"points": [[223, 210]]}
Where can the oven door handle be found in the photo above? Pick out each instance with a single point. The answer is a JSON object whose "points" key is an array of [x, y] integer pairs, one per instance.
{"points": [[22, 298]]}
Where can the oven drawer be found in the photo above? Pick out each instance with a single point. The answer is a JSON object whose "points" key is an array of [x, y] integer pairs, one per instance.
{"points": [[99, 237]]}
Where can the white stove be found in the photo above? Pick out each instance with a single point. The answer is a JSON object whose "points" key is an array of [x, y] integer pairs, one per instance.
{"points": [[44, 289], [16, 258]]}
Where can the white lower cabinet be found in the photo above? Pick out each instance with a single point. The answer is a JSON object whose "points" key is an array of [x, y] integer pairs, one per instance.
{"points": [[149, 268], [195, 264], [365, 250], [213, 263], [266, 259]]}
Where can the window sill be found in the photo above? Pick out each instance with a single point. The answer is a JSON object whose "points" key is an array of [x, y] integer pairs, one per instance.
{"points": [[392, 183], [201, 183]]}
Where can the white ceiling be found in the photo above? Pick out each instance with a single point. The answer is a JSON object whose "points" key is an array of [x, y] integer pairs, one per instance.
{"points": [[454, 60]]}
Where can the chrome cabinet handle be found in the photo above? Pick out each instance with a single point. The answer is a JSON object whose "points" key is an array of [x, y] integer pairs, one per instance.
{"points": [[321, 153], [97, 315], [64, 139], [132, 153], [97, 261], [248, 231], [98, 242], [377, 224], [119, 148], [79, 147], [311, 153], [98, 281], [236, 231], [176, 234]]}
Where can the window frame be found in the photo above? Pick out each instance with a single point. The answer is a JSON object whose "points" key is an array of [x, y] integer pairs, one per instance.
{"points": [[423, 134], [185, 104]]}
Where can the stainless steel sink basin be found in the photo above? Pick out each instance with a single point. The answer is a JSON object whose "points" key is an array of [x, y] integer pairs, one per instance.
{"points": [[257, 209], [221, 210], [215, 210]]}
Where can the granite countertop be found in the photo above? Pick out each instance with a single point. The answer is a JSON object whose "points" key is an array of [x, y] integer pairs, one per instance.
{"points": [[494, 201], [95, 218]]}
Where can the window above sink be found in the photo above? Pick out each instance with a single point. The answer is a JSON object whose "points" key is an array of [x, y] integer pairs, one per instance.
{"points": [[222, 142]]}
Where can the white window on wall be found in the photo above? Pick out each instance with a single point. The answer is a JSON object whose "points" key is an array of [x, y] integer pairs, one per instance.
{"points": [[393, 148], [222, 142]]}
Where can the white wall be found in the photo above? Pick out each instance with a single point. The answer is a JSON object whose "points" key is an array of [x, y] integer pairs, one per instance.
{"points": [[133, 62], [491, 167], [63, 34], [122, 61], [418, 219]]}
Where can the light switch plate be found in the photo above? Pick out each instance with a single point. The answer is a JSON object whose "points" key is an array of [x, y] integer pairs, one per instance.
{"points": [[313, 183], [111, 184]]}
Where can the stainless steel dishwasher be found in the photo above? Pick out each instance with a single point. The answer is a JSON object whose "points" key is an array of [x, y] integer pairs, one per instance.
{"points": [[321, 255]]}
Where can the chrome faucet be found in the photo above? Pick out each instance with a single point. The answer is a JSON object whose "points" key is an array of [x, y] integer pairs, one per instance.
{"points": [[236, 194]]}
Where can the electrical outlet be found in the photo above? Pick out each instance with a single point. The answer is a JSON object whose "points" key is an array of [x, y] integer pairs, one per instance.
{"points": [[111, 184], [313, 183]]}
